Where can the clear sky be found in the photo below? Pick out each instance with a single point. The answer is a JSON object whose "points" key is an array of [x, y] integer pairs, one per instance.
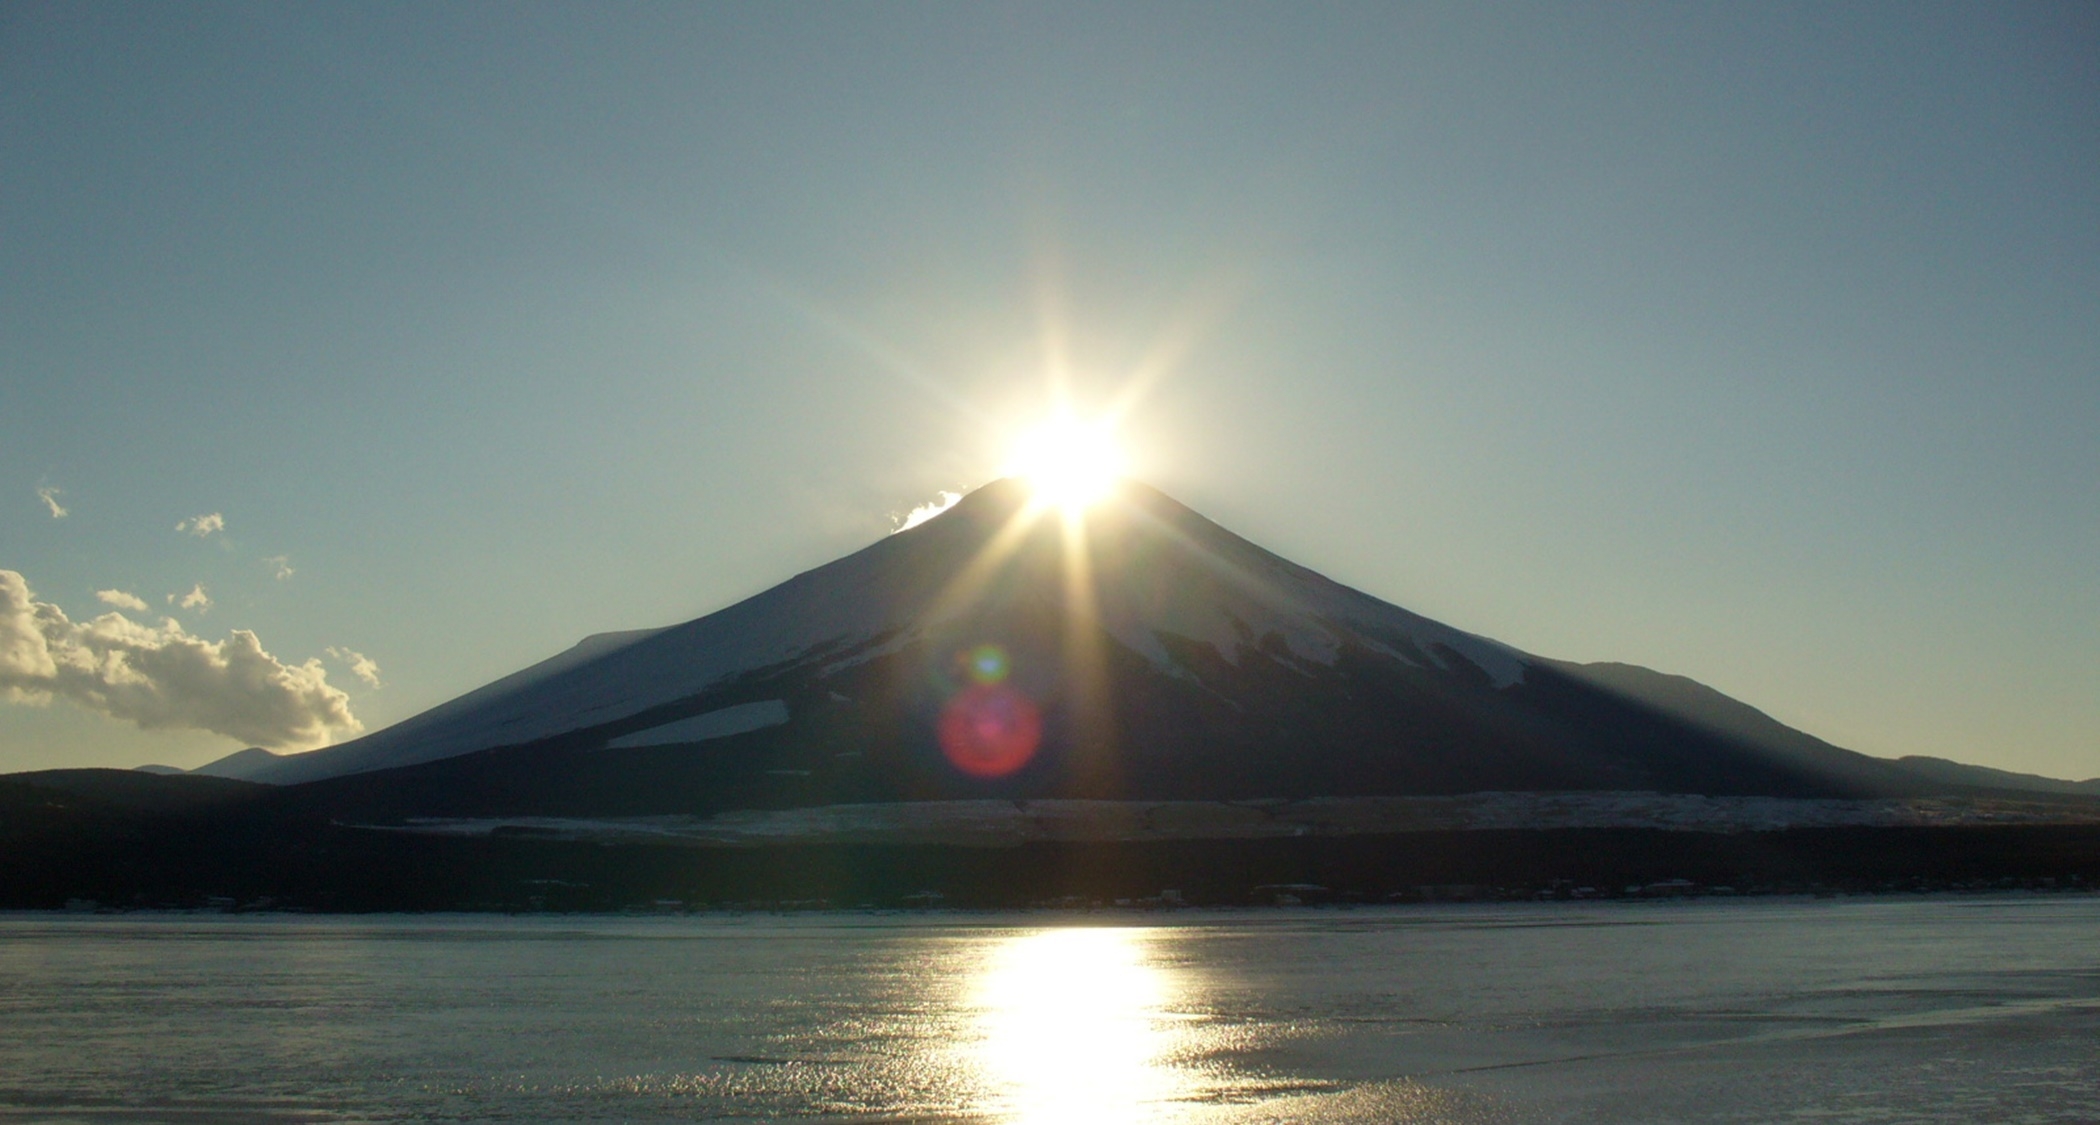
{"points": [[1754, 342]]}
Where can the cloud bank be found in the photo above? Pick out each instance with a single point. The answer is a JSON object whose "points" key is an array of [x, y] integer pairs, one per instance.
{"points": [[49, 496], [160, 677], [201, 526]]}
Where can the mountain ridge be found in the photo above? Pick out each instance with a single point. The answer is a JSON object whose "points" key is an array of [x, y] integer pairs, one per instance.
{"points": [[1183, 662]]}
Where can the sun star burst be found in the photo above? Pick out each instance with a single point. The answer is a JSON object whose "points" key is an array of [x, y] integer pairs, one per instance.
{"points": [[1069, 462]]}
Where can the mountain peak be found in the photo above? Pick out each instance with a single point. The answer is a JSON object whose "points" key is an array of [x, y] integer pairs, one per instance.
{"points": [[1142, 650]]}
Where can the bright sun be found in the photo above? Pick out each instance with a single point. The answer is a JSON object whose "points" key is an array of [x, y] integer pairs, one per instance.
{"points": [[1069, 462]]}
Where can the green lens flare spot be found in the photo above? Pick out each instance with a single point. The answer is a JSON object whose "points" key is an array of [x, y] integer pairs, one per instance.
{"points": [[987, 664]]}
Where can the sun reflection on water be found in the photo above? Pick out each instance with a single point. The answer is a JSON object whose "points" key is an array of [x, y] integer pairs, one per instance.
{"points": [[1074, 1026]]}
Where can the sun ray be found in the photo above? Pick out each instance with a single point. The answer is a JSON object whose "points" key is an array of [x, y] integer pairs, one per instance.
{"points": [[1086, 666], [1072, 463], [1193, 319], [1084, 677], [1225, 568], [889, 358], [975, 575]]}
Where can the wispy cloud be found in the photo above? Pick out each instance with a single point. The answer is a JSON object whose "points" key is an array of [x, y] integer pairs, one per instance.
{"points": [[280, 565], [361, 666], [196, 599], [941, 502], [49, 496], [122, 600], [161, 677], [201, 526]]}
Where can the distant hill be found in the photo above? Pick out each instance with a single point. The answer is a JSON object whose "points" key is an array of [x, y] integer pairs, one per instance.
{"points": [[1699, 705], [1984, 777], [243, 765], [1695, 702], [139, 790]]}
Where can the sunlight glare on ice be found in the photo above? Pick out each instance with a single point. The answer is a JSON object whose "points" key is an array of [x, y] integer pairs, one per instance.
{"points": [[1074, 1026]]}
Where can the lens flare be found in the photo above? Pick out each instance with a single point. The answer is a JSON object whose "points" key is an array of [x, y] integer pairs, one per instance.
{"points": [[986, 664], [990, 730]]}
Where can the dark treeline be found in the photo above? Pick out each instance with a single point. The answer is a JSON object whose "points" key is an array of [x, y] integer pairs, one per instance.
{"points": [[191, 861]]}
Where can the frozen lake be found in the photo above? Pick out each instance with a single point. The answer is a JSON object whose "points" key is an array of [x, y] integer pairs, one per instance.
{"points": [[1849, 1010]]}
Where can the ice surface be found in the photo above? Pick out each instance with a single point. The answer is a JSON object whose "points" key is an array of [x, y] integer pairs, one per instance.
{"points": [[1940, 1011]]}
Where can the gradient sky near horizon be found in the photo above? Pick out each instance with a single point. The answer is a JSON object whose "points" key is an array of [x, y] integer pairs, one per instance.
{"points": [[1757, 343]]}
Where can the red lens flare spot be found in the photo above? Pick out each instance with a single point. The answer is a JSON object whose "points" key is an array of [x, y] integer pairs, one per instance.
{"points": [[990, 730]]}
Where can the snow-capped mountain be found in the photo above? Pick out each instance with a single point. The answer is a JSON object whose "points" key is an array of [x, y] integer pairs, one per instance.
{"points": [[1146, 653]]}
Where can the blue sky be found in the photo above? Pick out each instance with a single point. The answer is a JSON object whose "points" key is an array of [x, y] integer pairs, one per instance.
{"points": [[1751, 342]]}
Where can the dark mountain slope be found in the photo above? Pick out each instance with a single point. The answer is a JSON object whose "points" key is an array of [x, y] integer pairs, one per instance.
{"points": [[1158, 655], [1692, 702]]}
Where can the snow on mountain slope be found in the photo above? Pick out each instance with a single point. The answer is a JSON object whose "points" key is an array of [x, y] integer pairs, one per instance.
{"points": [[1157, 570], [1166, 569], [719, 723]]}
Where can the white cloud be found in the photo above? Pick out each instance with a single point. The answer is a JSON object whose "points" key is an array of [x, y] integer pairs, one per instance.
{"points": [[49, 496], [363, 667], [941, 502], [160, 677], [201, 526], [280, 565], [122, 600], [196, 599]]}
